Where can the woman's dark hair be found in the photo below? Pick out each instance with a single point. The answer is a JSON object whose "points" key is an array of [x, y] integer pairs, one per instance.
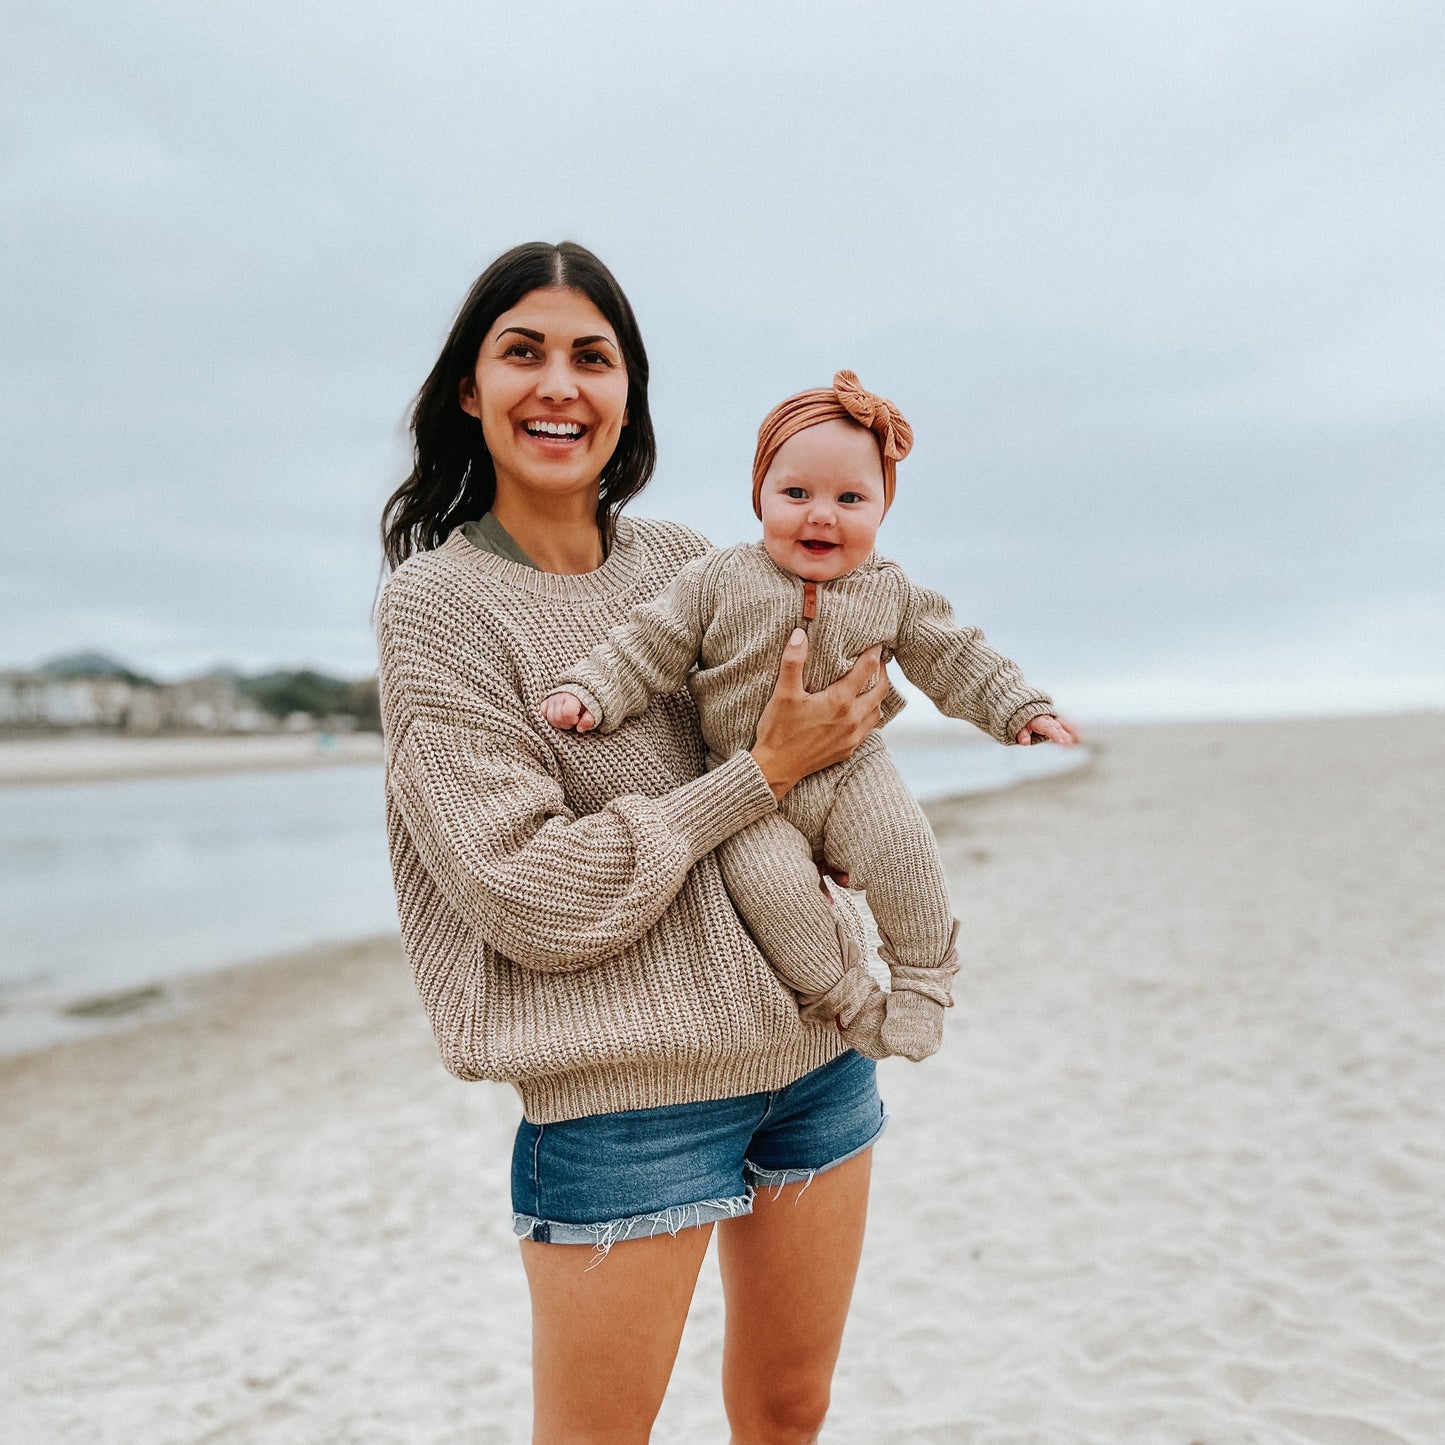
{"points": [[452, 478]]}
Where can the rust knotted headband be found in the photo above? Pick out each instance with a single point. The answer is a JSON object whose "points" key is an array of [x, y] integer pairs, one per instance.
{"points": [[845, 400]]}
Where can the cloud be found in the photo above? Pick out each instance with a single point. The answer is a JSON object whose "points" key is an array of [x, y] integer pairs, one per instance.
{"points": [[1157, 286]]}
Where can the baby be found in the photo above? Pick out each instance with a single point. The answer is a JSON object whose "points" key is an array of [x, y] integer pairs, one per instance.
{"points": [[823, 476]]}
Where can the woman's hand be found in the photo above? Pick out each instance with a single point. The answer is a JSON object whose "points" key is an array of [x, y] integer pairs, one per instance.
{"points": [[1049, 729], [801, 732]]}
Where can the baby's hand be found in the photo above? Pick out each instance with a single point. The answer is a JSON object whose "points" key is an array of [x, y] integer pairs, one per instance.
{"points": [[565, 711], [1049, 729]]}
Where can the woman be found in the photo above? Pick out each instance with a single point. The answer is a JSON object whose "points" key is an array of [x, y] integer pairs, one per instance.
{"points": [[565, 918]]}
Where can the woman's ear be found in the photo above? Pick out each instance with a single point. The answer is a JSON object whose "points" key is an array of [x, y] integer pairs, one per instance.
{"points": [[467, 397]]}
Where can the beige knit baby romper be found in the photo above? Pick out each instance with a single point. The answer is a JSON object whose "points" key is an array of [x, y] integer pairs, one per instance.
{"points": [[720, 627]]}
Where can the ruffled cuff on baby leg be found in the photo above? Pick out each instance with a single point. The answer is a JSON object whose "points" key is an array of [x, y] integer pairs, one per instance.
{"points": [[913, 1025], [854, 1004], [934, 983]]}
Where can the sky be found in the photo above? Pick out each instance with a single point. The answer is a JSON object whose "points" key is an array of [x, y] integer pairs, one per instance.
{"points": [[1159, 288]]}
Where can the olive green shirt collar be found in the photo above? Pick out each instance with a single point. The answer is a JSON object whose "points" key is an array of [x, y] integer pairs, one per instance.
{"points": [[488, 535]]}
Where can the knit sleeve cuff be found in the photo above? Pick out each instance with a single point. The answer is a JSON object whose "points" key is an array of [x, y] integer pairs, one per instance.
{"points": [[1038, 706], [589, 701], [719, 804]]}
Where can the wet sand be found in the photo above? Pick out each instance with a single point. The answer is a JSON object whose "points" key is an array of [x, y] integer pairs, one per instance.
{"points": [[97, 758]]}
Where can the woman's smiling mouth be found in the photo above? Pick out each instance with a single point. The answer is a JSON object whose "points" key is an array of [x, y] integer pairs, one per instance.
{"points": [[554, 431]]}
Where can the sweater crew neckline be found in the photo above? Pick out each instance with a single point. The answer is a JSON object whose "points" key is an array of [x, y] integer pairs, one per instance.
{"points": [[618, 573]]}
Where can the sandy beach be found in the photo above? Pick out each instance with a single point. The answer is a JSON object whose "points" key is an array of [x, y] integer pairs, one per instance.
{"points": [[101, 758], [1176, 1177]]}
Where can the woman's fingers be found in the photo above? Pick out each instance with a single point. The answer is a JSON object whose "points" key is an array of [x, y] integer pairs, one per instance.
{"points": [[880, 684], [795, 658], [868, 705], [865, 673], [857, 696], [800, 732]]}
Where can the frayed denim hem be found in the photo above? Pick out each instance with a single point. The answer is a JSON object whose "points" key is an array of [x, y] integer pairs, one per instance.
{"points": [[778, 1179], [604, 1235]]}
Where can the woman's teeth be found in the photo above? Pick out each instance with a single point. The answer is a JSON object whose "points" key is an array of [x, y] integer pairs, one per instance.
{"points": [[569, 429]]}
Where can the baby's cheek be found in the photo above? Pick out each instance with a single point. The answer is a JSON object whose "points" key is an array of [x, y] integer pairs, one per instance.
{"points": [[776, 544], [862, 533]]}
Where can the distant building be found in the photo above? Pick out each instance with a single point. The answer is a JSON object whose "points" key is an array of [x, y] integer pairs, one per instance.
{"points": [[92, 691], [33, 700], [207, 704]]}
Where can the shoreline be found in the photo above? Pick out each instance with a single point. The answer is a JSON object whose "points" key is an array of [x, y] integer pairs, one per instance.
{"points": [[48, 1013], [39, 762], [38, 1024], [42, 761]]}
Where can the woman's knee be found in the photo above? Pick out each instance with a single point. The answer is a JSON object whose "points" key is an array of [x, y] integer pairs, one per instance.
{"points": [[787, 1409]]}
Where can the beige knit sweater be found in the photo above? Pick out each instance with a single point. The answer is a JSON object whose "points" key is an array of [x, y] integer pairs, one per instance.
{"points": [[566, 923], [730, 613]]}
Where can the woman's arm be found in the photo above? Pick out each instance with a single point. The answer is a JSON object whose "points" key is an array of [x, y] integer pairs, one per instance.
{"points": [[548, 889]]}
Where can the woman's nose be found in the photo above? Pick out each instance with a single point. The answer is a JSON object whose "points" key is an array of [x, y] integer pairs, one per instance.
{"points": [[557, 382]]}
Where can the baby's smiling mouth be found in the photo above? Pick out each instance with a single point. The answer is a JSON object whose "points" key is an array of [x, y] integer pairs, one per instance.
{"points": [[815, 546]]}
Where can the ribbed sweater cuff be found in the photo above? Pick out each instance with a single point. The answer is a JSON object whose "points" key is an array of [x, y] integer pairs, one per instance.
{"points": [[590, 702], [1035, 707], [719, 804]]}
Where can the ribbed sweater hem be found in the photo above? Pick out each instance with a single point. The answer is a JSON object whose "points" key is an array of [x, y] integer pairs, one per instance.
{"points": [[654, 1083]]}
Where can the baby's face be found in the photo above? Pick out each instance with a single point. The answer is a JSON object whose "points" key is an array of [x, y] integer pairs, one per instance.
{"points": [[822, 500]]}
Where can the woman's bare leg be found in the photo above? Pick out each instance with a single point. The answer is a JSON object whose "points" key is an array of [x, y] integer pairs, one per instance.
{"points": [[604, 1339], [788, 1270]]}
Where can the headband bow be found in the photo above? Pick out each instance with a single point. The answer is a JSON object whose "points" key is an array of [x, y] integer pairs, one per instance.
{"points": [[877, 413]]}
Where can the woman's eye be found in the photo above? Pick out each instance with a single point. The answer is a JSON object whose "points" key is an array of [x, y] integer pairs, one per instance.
{"points": [[519, 348], [594, 358]]}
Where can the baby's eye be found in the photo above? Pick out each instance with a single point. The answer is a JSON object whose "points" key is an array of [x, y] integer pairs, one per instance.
{"points": [[798, 494], [851, 497]]}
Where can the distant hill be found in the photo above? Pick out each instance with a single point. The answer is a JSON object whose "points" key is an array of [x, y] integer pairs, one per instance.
{"points": [[92, 664], [284, 693]]}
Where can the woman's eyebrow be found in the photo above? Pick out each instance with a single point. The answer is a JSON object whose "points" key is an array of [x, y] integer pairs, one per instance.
{"points": [[592, 341], [521, 331]]}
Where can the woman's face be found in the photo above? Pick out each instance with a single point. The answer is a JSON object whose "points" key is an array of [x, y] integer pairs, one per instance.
{"points": [[550, 390]]}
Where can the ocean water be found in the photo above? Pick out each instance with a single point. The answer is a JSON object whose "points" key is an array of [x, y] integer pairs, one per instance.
{"points": [[109, 887]]}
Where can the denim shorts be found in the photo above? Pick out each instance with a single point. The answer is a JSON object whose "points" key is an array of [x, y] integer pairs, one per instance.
{"points": [[628, 1175]]}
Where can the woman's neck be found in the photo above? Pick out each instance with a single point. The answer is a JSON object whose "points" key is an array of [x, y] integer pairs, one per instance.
{"points": [[559, 534]]}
